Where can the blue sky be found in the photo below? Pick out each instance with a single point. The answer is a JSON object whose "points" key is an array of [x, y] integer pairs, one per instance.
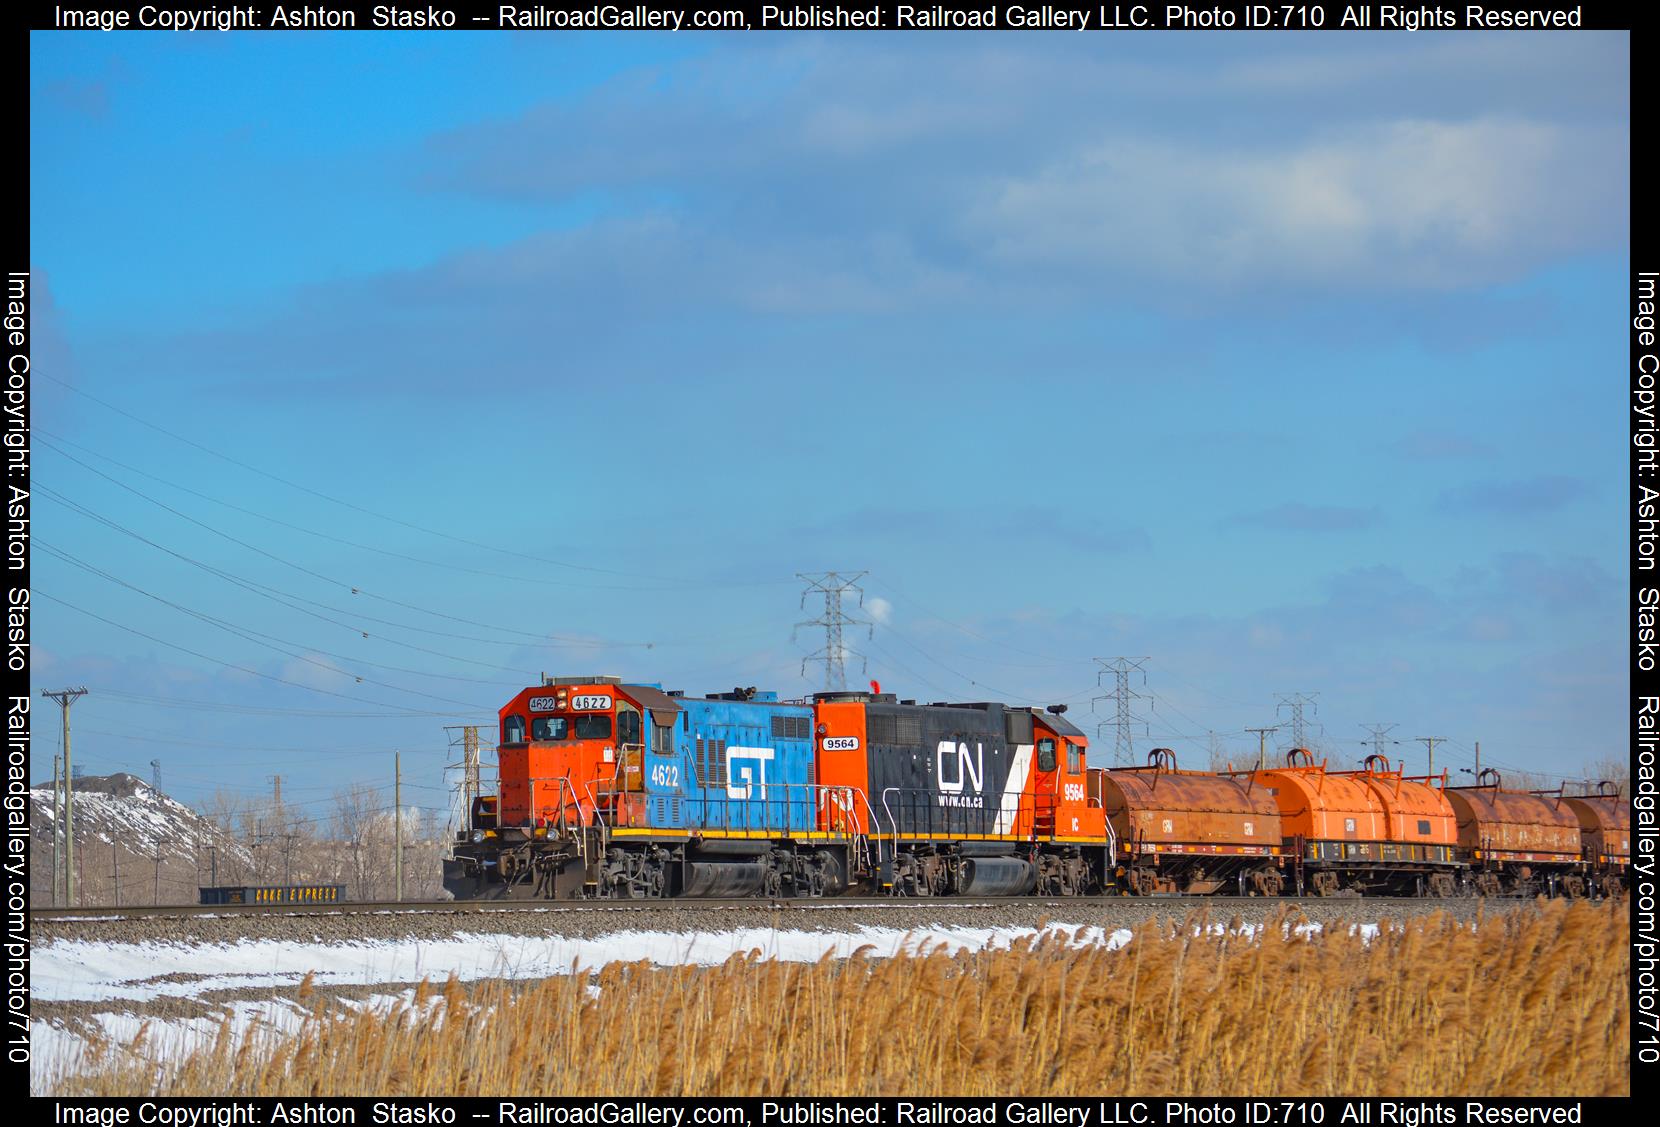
{"points": [[1292, 362]]}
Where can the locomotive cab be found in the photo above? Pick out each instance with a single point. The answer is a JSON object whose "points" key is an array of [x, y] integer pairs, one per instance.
{"points": [[575, 750], [1062, 806]]}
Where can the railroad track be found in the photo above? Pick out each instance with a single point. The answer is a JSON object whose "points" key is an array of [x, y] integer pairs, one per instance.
{"points": [[750, 904]]}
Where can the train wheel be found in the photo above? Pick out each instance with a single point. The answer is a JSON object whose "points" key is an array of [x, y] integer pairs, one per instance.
{"points": [[1573, 886], [1325, 884], [1268, 882], [1487, 884], [1441, 885]]}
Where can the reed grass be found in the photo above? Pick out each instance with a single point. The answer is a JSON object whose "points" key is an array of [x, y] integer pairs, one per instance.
{"points": [[1524, 1003]]}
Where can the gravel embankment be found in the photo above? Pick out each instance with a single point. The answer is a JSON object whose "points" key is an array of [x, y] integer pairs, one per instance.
{"points": [[590, 922]]}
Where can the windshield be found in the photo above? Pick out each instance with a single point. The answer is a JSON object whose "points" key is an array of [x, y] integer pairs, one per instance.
{"points": [[550, 728], [593, 727]]}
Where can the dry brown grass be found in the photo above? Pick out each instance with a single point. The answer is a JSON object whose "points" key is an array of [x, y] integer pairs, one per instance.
{"points": [[1528, 1003]]}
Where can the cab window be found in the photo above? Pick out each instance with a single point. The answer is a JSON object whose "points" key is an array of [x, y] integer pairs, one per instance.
{"points": [[593, 727], [1046, 755], [1074, 758], [513, 730], [550, 728], [628, 725]]}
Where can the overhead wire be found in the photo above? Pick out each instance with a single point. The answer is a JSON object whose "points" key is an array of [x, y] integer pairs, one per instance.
{"points": [[69, 558], [269, 641], [232, 665], [371, 512]]}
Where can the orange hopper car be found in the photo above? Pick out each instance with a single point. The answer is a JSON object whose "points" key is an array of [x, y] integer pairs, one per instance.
{"points": [[1517, 843], [1191, 831], [1605, 836], [1371, 830]]}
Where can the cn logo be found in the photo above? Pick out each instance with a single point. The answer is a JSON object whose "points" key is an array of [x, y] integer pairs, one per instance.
{"points": [[958, 768], [746, 771]]}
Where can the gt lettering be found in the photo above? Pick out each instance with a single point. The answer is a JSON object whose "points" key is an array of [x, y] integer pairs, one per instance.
{"points": [[752, 777]]}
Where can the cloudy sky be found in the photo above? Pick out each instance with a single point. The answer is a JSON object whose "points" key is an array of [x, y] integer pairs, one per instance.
{"points": [[378, 374]]}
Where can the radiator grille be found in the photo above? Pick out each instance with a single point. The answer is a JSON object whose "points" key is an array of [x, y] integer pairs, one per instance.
{"points": [[792, 727]]}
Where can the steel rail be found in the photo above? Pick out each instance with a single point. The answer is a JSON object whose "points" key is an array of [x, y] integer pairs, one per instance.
{"points": [[753, 903]]}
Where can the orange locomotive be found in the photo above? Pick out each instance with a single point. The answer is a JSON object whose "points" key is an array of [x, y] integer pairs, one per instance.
{"points": [[614, 789]]}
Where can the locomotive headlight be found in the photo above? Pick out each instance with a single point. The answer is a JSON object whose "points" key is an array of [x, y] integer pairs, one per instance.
{"points": [[478, 837]]}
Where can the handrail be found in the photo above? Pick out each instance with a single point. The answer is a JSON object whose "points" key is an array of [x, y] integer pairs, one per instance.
{"points": [[564, 784], [893, 823]]}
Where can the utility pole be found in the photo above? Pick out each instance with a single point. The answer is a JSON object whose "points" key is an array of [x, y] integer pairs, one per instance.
{"points": [[397, 822], [1431, 741], [115, 872], [155, 896], [834, 586], [1125, 719], [1478, 759], [65, 698], [1296, 702], [1380, 738], [57, 824], [155, 774], [276, 792], [1262, 735], [469, 771]]}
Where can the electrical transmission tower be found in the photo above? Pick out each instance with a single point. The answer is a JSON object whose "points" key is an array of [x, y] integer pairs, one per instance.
{"points": [[1380, 738], [1125, 719], [155, 774], [1296, 702], [834, 586]]}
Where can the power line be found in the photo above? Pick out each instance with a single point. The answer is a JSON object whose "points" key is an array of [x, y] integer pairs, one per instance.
{"points": [[268, 641], [354, 588], [192, 705], [75, 561], [233, 665], [1051, 659], [370, 512]]}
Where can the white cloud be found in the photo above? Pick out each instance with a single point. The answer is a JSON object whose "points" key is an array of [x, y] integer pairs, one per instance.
{"points": [[1418, 203]]}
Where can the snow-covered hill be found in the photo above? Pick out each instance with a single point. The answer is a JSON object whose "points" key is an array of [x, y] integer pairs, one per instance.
{"points": [[124, 808], [131, 838]]}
